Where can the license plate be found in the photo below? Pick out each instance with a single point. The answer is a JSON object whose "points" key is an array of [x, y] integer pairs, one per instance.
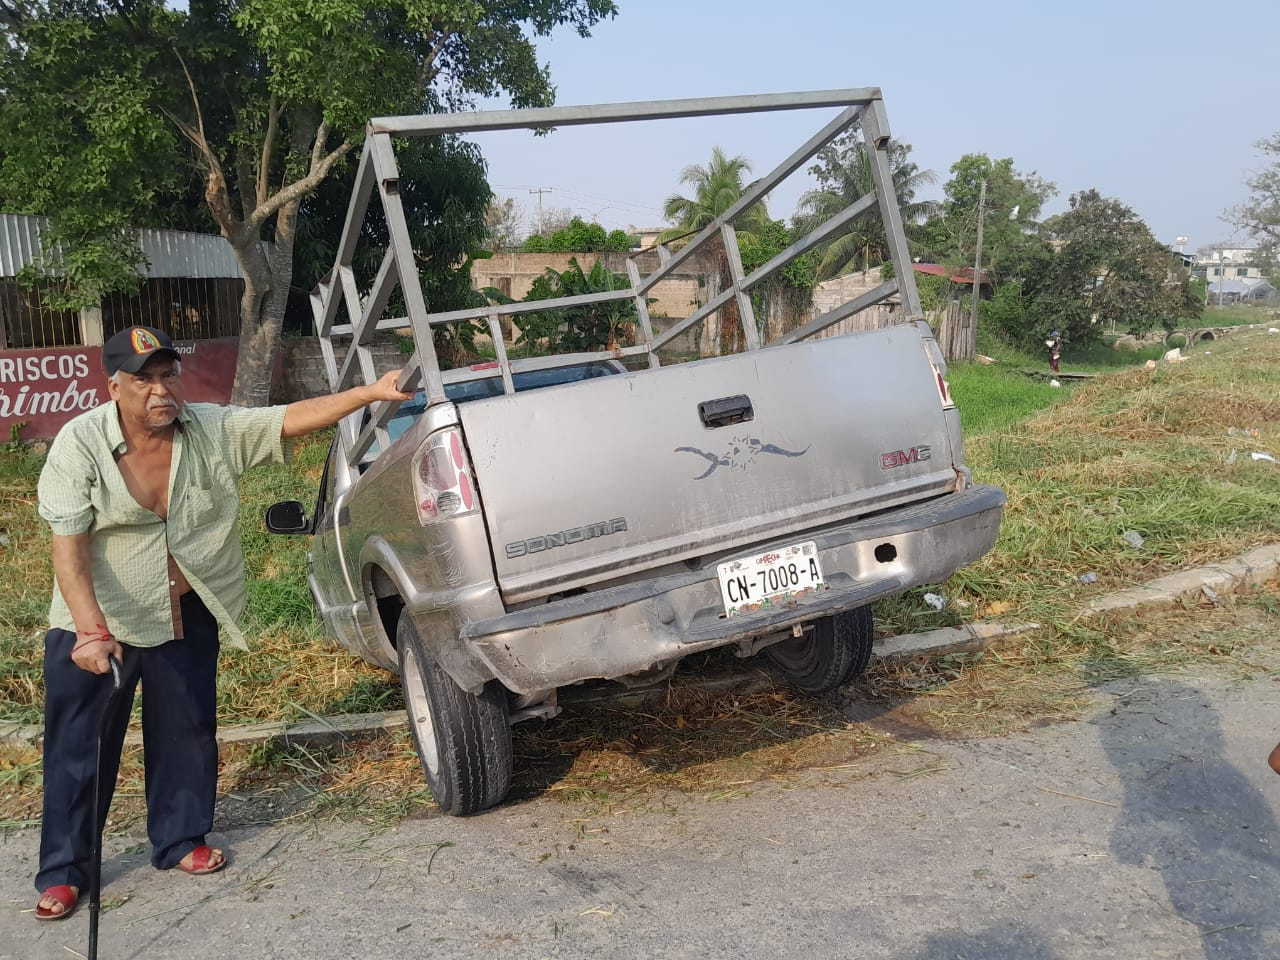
{"points": [[752, 583]]}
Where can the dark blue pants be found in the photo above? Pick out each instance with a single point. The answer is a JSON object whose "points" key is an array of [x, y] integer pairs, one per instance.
{"points": [[180, 748]]}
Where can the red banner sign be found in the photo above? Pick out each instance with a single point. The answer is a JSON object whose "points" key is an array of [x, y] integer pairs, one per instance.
{"points": [[40, 390]]}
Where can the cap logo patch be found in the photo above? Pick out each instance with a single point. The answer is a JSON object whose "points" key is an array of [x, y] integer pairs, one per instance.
{"points": [[143, 341]]}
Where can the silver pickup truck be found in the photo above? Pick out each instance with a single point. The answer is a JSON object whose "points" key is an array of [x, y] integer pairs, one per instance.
{"points": [[528, 524]]}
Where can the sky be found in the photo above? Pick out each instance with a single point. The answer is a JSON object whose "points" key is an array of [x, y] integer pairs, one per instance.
{"points": [[1157, 104]]}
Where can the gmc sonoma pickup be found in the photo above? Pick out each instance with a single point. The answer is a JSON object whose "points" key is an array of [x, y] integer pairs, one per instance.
{"points": [[524, 525]]}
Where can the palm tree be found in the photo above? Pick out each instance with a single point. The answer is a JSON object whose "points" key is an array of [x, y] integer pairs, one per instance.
{"points": [[843, 170], [716, 188]]}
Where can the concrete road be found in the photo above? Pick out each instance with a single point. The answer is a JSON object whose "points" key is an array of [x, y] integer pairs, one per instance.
{"points": [[1146, 830]]}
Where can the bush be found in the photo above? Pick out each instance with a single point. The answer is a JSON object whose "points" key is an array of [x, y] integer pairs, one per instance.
{"points": [[578, 236], [1005, 315]]}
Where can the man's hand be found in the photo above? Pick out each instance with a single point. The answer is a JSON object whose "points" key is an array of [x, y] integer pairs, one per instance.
{"points": [[385, 388], [93, 648]]}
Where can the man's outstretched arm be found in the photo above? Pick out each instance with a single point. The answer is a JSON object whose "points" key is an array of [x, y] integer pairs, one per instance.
{"points": [[307, 416]]}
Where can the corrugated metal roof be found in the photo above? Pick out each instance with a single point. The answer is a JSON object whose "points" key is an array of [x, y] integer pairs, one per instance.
{"points": [[19, 242], [175, 253], [954, 274], [170, 253], [1245, 285]]}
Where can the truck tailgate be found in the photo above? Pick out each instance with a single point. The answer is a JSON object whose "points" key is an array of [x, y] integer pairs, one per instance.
{"points": [[585, 483]]}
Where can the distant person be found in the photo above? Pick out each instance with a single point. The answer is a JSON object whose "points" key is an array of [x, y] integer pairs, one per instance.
{"points": [[140, 495], [1054, 343]]}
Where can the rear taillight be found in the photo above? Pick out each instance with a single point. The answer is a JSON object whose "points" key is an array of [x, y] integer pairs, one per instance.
{"points": [[442, 483], [939, 364], [944, 389]]}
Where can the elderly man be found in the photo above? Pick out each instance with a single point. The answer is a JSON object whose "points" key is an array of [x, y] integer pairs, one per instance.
{"points": [[140, 495]]}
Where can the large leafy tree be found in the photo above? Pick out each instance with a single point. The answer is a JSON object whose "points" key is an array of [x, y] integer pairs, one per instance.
{"points": [[1107, 269], [843, 173], [1010, 216], [1260, 214], [263, 100], [715, 188], [443, 184]]}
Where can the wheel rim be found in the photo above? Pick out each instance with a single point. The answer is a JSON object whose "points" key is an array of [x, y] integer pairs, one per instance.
{"points": [[797, 653], [794, 654], [418, 706]]}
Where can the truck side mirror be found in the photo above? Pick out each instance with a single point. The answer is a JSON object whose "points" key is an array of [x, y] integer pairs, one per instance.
{"points": [[288, 516]]}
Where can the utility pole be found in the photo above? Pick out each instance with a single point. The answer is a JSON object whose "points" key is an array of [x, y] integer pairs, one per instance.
{"points": [[972, 339], [1222, 277], [540, 191]]}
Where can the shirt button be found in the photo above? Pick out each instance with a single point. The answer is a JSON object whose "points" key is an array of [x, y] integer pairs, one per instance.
{"points": [[173, 583]]}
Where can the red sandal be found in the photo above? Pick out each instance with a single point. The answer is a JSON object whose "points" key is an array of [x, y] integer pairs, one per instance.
{"points": [[200, 862], [65, 895]]}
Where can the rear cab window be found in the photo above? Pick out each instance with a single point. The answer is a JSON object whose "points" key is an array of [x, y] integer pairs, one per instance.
{"points": [[469, 390]]}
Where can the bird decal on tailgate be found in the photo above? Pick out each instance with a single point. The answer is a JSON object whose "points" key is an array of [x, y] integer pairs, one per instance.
{"points": [[740, 453]]}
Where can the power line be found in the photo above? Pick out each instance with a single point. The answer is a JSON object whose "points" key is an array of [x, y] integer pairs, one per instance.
{"points": [[583, 198]]}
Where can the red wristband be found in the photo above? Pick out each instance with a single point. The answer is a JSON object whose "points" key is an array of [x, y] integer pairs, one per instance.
{"points": [[102, 634], [85, 643]]}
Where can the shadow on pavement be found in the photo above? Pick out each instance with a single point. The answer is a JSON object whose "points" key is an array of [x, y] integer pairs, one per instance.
{"points": [[1192, 816], [1008, 942]]}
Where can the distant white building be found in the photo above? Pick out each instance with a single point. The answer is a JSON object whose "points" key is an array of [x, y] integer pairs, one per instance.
{"points": [[1228, 263], [648, 235]]}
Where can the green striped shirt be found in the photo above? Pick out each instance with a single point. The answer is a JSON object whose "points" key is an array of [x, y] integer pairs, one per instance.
{"points": [[82, 490]]}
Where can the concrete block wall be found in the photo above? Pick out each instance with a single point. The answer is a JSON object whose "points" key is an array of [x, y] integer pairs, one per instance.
{"points": [[829, 294], [514, 273], [302, 367]]}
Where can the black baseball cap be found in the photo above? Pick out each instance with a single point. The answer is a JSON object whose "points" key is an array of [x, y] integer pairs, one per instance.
{"points": [[129, 349]]}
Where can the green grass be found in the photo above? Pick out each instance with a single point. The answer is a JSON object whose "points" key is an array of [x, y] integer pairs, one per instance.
{"points": [[1101, 357], [992, 398], [1135, 449], [1234, 315]]}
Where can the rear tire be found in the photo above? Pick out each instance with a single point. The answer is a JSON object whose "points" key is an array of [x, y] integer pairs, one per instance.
{"points": [[833, 653], [463, 741]]}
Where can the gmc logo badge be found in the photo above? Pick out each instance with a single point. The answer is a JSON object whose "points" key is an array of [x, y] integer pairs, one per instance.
{"points": [[900, 458]]}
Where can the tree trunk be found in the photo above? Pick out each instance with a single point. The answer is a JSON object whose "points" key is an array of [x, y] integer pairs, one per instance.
{"points": [[268, 275], [709, 336], [732, 338]]}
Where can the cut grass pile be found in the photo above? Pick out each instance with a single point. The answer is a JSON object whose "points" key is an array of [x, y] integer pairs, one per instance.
{"points": [[1159, 452]]}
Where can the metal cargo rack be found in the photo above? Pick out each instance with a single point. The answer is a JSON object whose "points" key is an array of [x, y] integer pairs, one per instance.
{"points": [[364, 316]]}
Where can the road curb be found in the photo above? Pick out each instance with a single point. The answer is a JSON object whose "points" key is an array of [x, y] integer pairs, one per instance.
{"points": [[964, 638], [1248, 570]]}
